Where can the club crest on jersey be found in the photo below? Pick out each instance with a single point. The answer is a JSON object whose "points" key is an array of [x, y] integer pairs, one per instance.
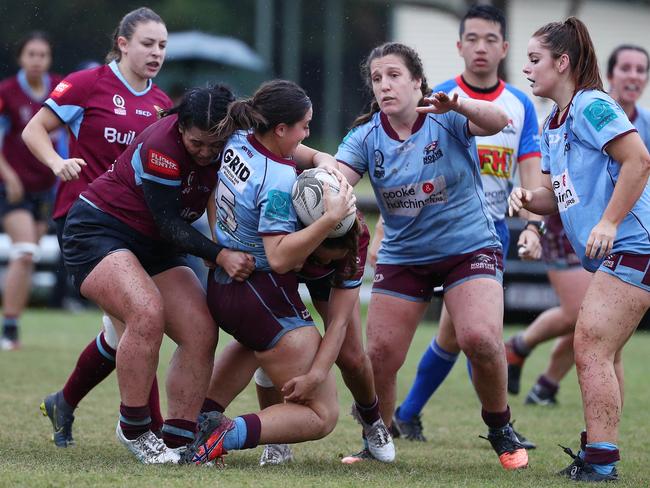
{"points": [[160, 164], [120, 105], [379, 164], [565, 193], [509, 128], [599, 113], [60, 89], [432, 153]]}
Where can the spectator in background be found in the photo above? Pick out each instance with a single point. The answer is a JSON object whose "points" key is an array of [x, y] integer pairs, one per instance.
{"points": [[26, 189]]}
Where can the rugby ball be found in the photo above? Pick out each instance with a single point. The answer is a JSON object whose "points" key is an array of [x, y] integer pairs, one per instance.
{"points": [[307, 196]]}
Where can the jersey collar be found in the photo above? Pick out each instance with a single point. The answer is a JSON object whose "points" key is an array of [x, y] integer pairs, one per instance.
{"points": [[24, 86], [260, 148], [490, 97], [118, 74], [390, 132]]}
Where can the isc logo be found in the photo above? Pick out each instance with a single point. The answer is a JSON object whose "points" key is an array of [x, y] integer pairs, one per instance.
{"points": [[112, 135]]}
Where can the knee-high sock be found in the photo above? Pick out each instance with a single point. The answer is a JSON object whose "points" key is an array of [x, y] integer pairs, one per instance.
{"points": [[435, 365]]}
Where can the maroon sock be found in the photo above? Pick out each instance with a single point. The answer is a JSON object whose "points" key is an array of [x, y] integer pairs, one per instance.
{"points": [[595, 455], [496, 420], [178, 432], [134, 421], [154, 407], [209, 405], [369, 413], [583, 440], [549, 385], [253, 430], [95, 363]]}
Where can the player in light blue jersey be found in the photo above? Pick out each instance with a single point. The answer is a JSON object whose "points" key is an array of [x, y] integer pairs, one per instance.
{"points": [[597, 168], [265, 314], [515, 150], [422, 165], [627, 74]]}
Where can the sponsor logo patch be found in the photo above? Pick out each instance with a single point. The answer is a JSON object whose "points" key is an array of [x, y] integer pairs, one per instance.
{"points": [[565, 193], [599, 113], [278, 206], [60, 89], [162, 165], [409, 200], [235, 168], [495, 161], [483, 262]]}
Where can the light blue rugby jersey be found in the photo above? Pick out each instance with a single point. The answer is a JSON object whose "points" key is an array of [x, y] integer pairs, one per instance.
{"points": [[583, 174], [428, 187], [642, 124], [253, 197]]}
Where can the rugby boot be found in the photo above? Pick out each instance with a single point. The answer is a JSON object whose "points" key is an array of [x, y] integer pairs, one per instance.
{"points": [[538, 395], [528, 445], [208, 442], [378, 438], [579, 470], [411, 429], [512, 454], [276, 454], [362, 455], [148, 448], [60, 414]]}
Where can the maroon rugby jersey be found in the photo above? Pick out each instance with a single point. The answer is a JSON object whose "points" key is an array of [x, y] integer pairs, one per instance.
{"points": [[157, 155], [336, 269], [104, 114], [18, 104]]}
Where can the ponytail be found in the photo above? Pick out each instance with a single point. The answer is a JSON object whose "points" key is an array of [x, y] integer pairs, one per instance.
{"points": [[572, 38]]}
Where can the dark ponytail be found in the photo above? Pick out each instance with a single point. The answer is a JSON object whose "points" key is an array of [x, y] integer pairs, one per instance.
{"points": [[275, 102], [412, 62], [572, 38], [202, 108], [127, 27]]}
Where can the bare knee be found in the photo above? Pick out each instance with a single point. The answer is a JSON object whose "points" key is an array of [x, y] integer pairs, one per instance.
{"points": [[480, 346], [147, 321], [328, 417], [384, 358], [353, 362]]}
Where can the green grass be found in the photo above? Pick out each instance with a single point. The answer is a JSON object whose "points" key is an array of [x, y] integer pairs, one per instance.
{"points": [[454, 455]]}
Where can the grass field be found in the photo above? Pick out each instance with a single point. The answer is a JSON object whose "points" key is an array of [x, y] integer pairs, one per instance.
{"points": [[454, 455]]}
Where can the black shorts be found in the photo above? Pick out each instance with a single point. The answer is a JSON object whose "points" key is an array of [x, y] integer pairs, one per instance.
{"points": [[39, 204], [90, 235]]}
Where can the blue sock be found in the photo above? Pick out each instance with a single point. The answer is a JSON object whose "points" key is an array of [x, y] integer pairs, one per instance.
{"points": [[434, 367], [236, 437], [605, 446]]}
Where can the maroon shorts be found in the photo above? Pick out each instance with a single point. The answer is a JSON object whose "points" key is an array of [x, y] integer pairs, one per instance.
{"points": [[415, 282], [260, 310], [557, 251]]}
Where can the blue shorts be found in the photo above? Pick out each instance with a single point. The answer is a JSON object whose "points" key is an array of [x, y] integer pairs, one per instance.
{"points": [[416, 282], [39, 204], [633, 269], [259, 311], [90, 235]]}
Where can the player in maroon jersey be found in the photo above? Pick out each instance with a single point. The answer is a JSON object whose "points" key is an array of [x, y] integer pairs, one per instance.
{"points": [[104, 108], [26, 185]]}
